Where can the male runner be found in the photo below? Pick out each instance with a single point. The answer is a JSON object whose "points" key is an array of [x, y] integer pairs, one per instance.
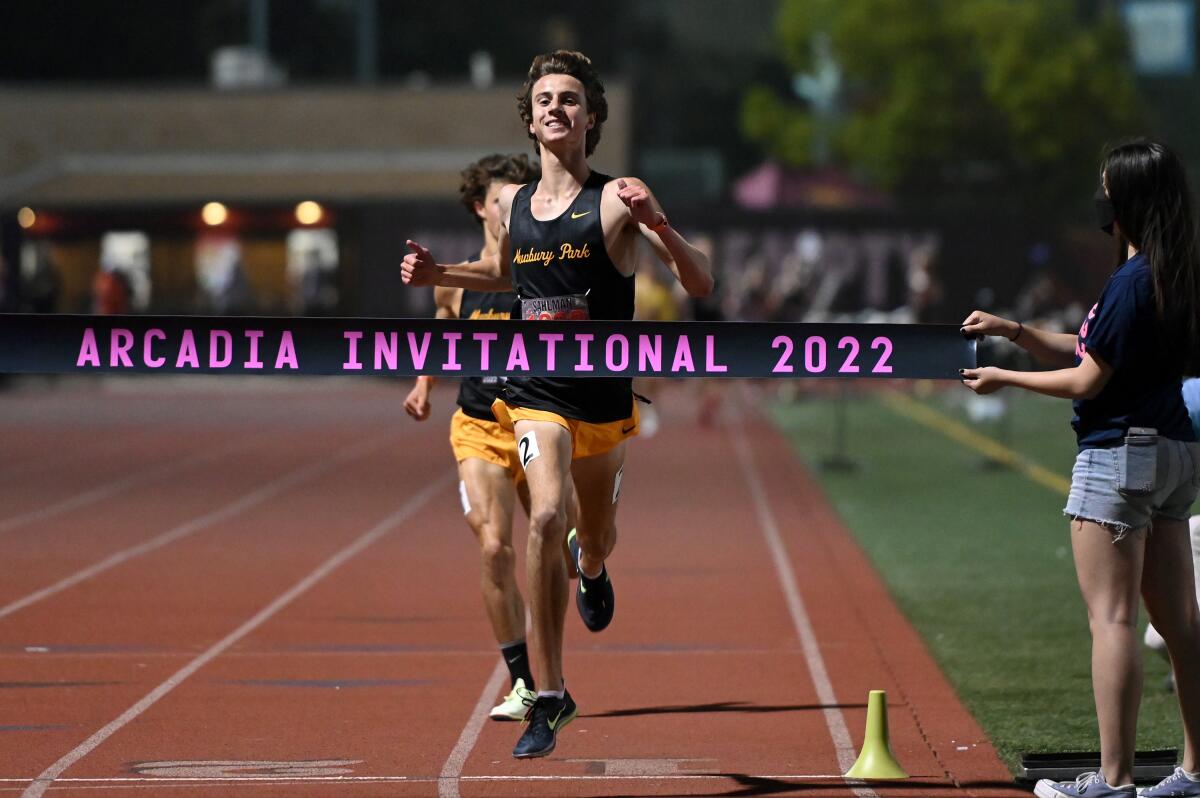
{"points": [[572, 237], [490, 474]]}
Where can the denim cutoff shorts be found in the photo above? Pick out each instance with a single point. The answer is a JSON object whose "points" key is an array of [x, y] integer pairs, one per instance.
{"points": [[1096, 477]]}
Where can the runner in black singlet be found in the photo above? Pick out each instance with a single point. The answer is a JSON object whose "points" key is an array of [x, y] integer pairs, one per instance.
{"points": [[568, 246], [585, 284]]}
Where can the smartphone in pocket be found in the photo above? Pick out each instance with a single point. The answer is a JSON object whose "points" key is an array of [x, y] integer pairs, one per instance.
{"points": [[1137, 465]]}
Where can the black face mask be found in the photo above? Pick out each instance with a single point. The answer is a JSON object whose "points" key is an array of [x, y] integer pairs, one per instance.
{"points": [[1106, 214]]}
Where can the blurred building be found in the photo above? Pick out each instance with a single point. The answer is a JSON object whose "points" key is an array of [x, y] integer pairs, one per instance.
{"points": [[367, 164], [271, 157]]}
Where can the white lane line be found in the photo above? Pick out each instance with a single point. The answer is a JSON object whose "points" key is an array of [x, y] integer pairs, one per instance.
{"points": [[146, 476], [453, 768], [231, 780], [835, 721], [272, 488], [47, 777], [34, 652]]}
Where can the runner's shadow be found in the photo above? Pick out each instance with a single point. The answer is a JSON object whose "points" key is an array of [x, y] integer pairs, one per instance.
{"points": [[757, 785], [721, 706]]}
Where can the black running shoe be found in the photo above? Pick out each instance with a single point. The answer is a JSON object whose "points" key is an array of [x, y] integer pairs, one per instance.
{"points": [[594, 598], [545, 720]]}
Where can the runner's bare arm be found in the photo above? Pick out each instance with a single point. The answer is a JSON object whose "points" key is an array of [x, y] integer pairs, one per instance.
{"points": [[689, 265], [416, 404], [448, 300], [489, 273]]}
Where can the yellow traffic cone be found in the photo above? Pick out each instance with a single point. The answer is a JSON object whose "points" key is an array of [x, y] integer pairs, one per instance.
{"points": [[875, 760]]}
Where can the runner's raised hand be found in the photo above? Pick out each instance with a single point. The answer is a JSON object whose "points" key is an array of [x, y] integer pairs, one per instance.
{"points": [[637, 199], [418, 267]]}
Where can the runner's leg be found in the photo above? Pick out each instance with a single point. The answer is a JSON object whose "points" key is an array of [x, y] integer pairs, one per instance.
{"points": [[596, 483], [491, 495], [545, 451]]}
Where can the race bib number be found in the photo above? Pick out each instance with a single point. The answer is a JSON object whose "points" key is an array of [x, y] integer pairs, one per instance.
{"points": [[573, 307], [527, 449]]}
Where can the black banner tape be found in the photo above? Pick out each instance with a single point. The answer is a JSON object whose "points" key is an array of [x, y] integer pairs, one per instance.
{"points": [[68, 344]]}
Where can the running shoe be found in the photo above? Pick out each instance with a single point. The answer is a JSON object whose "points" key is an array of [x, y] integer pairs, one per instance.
{"points": [[1178, 785], [1088, 785], [515, 705], [545, 720], [594, 598]]}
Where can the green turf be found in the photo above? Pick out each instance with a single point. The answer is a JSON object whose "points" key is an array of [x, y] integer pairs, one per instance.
{"points": [[978, 559]]}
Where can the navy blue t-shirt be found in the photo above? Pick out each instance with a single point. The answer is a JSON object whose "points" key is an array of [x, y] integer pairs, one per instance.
{"points": [[1122, 330]]}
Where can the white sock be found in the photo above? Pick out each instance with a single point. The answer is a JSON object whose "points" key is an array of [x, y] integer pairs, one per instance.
{"points": [[555, 693], [579, 566], [1193, 776], [596, 575]]}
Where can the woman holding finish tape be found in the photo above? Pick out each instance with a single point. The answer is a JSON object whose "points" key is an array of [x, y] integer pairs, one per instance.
{"points": [[1138, 468]]}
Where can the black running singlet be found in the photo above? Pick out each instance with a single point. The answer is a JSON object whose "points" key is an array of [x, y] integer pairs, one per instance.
{"points": [[476, 394], [561, 270]]}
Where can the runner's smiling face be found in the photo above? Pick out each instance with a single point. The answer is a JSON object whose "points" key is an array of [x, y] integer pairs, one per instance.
{"points": [[560, 113]]}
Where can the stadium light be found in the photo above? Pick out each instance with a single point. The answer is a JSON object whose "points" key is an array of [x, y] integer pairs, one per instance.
{"points": [[26, 217], [309, 212], [214, 214]]}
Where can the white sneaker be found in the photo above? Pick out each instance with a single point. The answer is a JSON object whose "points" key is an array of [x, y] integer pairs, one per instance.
{"points": [[1178, 785], [1087, 785], [515, 705]]}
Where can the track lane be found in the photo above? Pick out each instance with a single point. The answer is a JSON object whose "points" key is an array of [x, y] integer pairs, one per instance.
{"points": [[694, 690], [176, 599], [71, 546], [871, 645]]}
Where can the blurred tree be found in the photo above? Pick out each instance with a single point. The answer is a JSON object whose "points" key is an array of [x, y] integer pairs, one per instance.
{"points": [[940, 97]]}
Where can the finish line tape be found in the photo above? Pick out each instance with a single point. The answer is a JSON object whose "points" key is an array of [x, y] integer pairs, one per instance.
{"points": [[71, 344]]}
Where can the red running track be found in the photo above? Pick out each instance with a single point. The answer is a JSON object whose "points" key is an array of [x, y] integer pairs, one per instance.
{"points": [[267, 588]]}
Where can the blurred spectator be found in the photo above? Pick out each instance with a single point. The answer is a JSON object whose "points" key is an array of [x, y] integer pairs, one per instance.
{"points": [[653, 301], [4, 298], [4, 378], [222, 280], [231, 295], [925, 291], [312, 257], [111, 292], [1191, 399], [128, 252], [40, 279], [709, 308]]}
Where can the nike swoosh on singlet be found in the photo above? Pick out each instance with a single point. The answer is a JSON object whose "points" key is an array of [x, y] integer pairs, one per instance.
{"points": [[627, 431], [579, 215]]}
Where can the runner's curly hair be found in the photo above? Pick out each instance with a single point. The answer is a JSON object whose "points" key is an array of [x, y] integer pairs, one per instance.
{"points": [[492, 168], [578, 66]]}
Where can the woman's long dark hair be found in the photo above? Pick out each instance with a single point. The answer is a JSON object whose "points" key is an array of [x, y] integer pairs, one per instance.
{"points": [[1149, 191]]}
